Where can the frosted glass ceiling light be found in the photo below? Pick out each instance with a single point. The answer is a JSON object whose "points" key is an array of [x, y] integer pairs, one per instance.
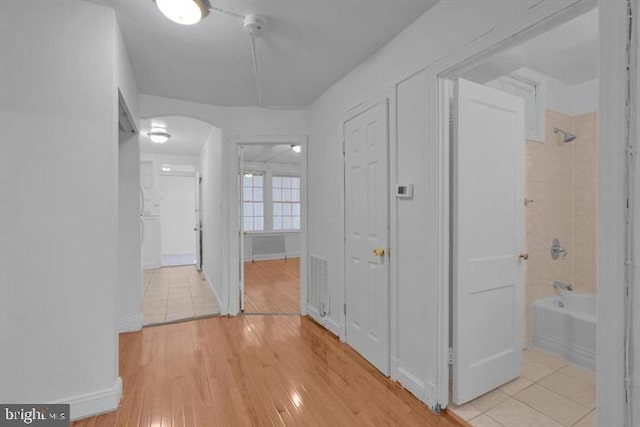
{"points": [[185, 12], [159, 137]]}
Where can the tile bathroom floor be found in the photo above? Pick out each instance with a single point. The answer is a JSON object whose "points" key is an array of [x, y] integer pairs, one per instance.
{"points": [[176, 293], [551, 392]]}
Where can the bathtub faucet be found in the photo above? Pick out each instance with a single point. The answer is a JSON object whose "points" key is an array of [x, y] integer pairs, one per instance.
{"points": [[562, 286]]}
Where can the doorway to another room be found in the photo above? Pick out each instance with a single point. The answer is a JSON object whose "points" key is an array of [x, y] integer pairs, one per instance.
{"points": [[523, 136], [174, 288], [271, 217]]}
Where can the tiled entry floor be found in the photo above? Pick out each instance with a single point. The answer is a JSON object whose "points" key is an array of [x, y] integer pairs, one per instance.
{"points": [[176, 293], [551, 392]]}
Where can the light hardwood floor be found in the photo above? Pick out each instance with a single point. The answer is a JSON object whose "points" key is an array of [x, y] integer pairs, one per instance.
{"points": [[176, 293], [272, 286], [254, 370]]}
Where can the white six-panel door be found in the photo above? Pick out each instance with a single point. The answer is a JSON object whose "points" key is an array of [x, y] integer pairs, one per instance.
{"points": [[488, 223], [367, 234]]}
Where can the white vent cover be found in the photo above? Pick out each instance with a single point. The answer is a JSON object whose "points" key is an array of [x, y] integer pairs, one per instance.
{"points": [[318, 295]]}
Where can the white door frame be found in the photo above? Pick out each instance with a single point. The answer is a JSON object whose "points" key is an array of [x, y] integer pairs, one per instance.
{"points": [[613, 24], [389, 95], [233, 230]]}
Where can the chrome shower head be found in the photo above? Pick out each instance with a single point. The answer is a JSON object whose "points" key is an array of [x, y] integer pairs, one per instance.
{"points": [[568, 136]]}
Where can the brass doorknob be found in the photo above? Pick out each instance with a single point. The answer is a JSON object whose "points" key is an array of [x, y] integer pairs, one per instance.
{"points": [[378, 251], [524, 256]]}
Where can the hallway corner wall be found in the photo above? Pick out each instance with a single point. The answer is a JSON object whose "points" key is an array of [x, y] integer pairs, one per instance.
{"points": [[59, 205]]}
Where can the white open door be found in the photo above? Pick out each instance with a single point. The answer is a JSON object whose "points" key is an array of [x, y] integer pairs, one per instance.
{"points": [[241, 231], [367, 234], [198, 219], [488, 224]]}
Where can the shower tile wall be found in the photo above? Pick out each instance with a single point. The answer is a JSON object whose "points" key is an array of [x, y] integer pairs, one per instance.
{"points": [[561, 181], [585, 199]]}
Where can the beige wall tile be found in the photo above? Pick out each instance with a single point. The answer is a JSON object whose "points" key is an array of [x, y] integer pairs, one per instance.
{"points": [[537, 157], [585, 200]]}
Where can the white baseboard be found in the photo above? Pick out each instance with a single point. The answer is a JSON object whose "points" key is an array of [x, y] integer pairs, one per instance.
{"points": [[410, 382], [96, 403], [130, 323], [224, 310], [328, 323]]}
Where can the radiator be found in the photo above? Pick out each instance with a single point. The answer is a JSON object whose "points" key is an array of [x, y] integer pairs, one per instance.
{"points": [[274, 245], [267, 245], [318, 293]]}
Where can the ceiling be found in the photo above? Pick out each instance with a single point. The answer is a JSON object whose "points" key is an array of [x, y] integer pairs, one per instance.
{"points": [[270, 154], [568, 53], [307, 46], [187, 135]]}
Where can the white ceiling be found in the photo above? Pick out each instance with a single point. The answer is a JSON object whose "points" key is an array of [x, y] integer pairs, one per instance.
{"points": [[187, 135], [568, 53], [308, 45], [270, 154]]}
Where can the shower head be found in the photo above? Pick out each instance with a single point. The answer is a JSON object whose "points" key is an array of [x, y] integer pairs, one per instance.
{"points": [[568, 136]]}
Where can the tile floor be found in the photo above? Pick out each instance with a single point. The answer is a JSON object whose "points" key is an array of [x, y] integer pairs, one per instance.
{"points": [[551, 392], [176, 293]]}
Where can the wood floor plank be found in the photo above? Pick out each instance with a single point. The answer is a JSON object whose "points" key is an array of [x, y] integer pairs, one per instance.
{"points": [[272, 286], [254, 371]]}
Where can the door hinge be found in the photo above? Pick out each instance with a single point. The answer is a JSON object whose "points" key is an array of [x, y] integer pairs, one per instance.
{"points": [[450, 356], [344, 308]]}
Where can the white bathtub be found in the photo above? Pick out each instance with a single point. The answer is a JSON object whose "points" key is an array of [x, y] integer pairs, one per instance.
{"points": [[568, 331]]}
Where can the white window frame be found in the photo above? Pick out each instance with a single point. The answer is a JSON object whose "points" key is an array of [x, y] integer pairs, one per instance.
{"points": [[284, 202], [253, 201]]}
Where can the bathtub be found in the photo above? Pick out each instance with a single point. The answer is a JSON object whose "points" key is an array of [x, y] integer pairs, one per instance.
{"points": [[566, 325]]}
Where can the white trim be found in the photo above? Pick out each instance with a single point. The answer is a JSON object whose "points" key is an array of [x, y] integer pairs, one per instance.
{"points": [[94, 403], [394, 309], [224, 310], [231, 216], [130, 323], [611, 214], [330, 324], [412, 383]]}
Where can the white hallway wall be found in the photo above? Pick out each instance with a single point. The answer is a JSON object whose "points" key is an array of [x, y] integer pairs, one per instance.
{"points": [[217, 190], [446, 29], [129, 296], [59, 203]]}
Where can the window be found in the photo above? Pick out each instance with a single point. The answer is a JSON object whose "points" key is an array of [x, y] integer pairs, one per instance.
{"points": [[286, 202], [253, 202]]}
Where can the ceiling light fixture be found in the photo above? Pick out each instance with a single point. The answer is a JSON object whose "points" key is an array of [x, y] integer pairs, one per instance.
{"points": [[158, 137], [185, 12], [296, 148]]}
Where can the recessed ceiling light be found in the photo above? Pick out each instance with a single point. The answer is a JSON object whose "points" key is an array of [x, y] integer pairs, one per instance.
{"points": [[185, 12], [296, 148], [158, 137], [166, 168]]}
